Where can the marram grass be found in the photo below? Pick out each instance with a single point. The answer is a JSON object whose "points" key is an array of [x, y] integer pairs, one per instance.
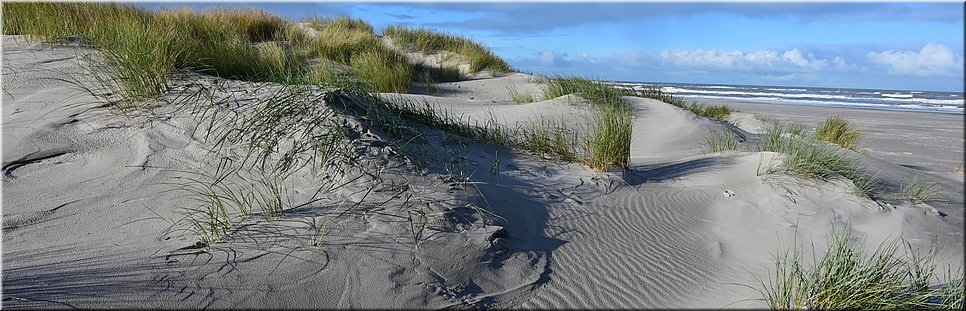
{"points": [[245, 44], [838, 131], [608, 143], [917, 190], [889, 278], [429, 41], [721, 141]]}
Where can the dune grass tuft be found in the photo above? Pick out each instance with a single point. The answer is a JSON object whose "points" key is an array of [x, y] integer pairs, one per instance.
{"points": [[845, 278], [429, 41], [838, 131], [596, 92], [865, 184], [139, 57], [714, 112], [610, 139], [441, 73], [918, 190], [810, 158], [550, 138], [382, 70], [351, 42], [721, 141]]}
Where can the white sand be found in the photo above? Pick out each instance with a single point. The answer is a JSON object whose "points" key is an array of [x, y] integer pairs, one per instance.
{"points": [[90, 221]]}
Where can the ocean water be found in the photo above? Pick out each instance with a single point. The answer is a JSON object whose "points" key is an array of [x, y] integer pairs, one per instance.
{"points": [[942, 102]]}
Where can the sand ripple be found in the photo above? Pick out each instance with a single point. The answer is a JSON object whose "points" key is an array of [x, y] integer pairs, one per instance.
{"points": [[644, 248]]}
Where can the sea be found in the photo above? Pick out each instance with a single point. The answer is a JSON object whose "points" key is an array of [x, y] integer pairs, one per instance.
{"points": [[925, 101]]}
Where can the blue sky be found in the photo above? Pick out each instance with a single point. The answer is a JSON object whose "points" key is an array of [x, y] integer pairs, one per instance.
{"points": [[854, 45]]}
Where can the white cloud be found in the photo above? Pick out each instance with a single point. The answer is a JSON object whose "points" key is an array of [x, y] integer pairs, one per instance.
{"points": [[551, 58], [586, 57], [931, 60], [762, 60]]}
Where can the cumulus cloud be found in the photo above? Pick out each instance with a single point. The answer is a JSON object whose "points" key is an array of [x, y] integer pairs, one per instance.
{"points": [[762, 60], [931, 60]]}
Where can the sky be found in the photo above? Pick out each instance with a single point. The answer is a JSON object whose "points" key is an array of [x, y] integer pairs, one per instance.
{"points": [[900, 46]]}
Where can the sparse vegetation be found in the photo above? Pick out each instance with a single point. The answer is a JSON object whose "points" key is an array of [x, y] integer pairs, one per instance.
{"points": [[813, 159], [609, 140], [597, 93], [714, 112], [796, 129], [550, 138], [844, 278], [918, 190], [838, 131], [519, 97], [810, 159], [865, 184], [721, 141], [429, 41]]}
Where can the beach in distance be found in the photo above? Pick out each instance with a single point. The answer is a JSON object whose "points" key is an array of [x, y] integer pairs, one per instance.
{"points": [[245, 156]]}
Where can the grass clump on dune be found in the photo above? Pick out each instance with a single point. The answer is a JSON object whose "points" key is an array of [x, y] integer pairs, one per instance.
{"points": [[519, 97], [443, 73], [810, 158], [721, 141], [135, 46], [596, 92], [917, 190], [838, 131], [610, 139], [428, 41], [384, 71], [139, 57], [714, 112], [820, 161], [845, 278], [609, 143], [351, 42]]}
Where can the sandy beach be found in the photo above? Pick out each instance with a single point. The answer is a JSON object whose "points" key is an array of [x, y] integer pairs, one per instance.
{"points": [[223, 193]]}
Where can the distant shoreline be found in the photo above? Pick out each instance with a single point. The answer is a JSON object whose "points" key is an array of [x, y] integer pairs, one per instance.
{"points": [[865, 99], [727, 101], [778, 86]]}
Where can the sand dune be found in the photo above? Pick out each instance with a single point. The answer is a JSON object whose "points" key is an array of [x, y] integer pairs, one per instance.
{"points": [[93, 217]]}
